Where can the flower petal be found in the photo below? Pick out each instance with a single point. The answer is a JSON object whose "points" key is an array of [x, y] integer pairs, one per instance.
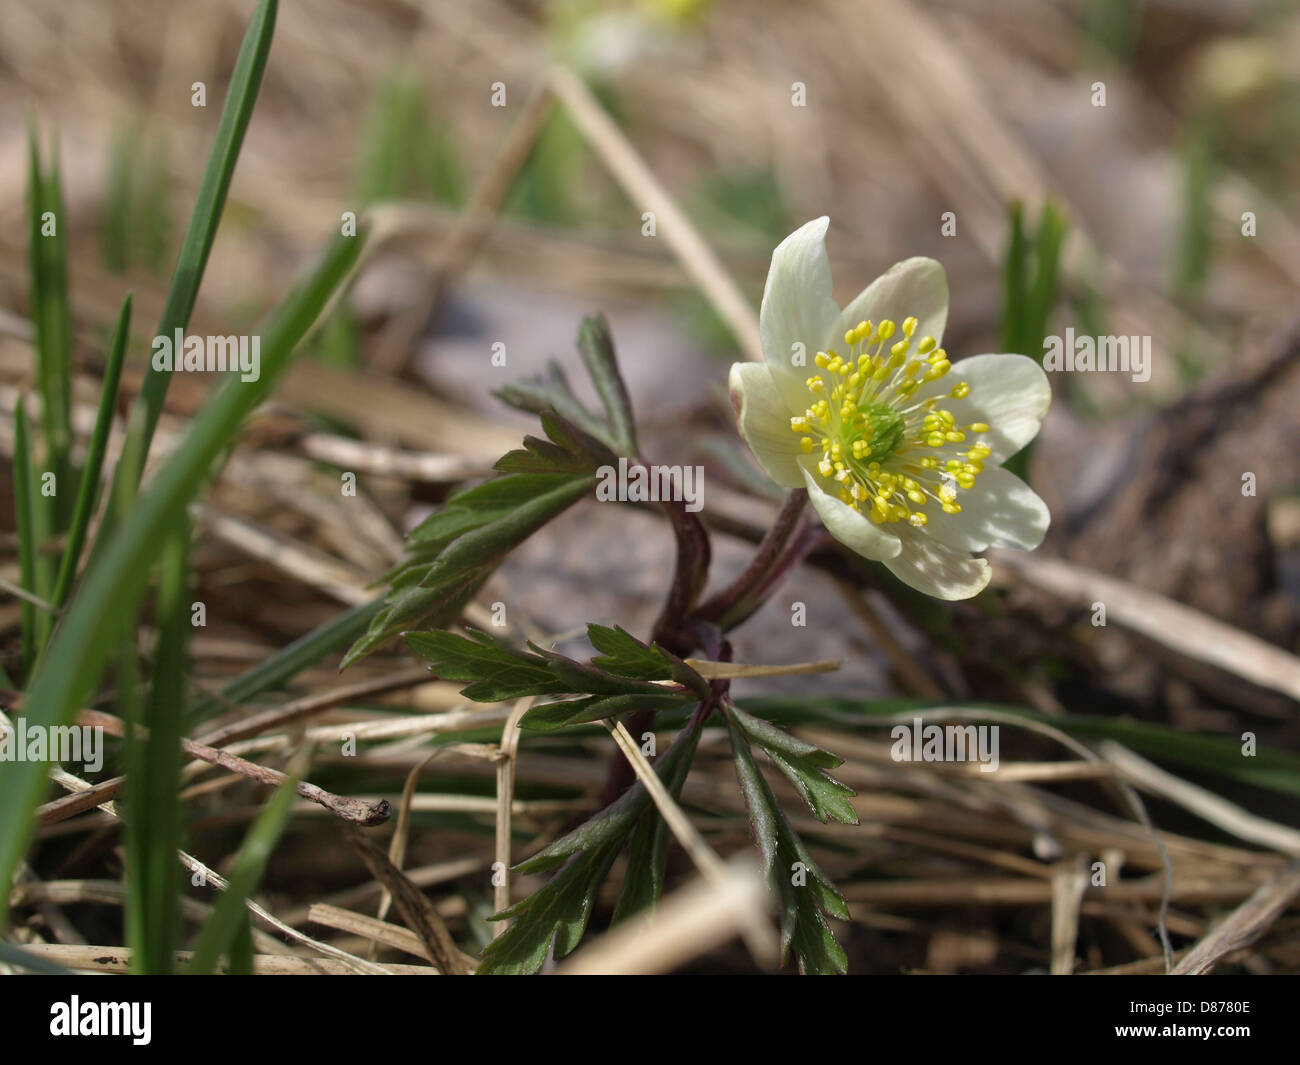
{"points": [[764, 422], [939, 571], [798, 306], [1009, 392], [1000, 511], [916, 287], [855, 531]]}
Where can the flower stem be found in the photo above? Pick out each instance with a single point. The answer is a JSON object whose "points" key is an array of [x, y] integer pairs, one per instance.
{"points": [[770, 562]]}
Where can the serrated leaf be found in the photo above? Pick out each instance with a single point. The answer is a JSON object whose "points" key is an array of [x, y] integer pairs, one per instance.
{"points": [[624, 654], [804, 765], [567, 450], [497, 672], [597, 349], [615, 821], [459, 549], [550, 391], [647, 855], [803, 926], [558, 913], [551, 716]]}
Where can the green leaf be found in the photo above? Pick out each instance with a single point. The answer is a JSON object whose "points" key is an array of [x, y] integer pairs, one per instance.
{"points": [[497, 671], [558, 913], [550, 390], [804, 765], [597, 349], [454, 552], [555, 914], [154, 809], [51, 313], [625, 655], [245, 81], [288, 662], [25, 526], [90, 474], [647, 854], [569, 450], [803, 889], [615, 821], [551, 716], [116, 577]]}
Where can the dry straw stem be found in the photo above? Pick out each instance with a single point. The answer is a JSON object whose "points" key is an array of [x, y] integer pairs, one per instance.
{"points": [[757, 932], [416, 909], [735, 670], [1221, 813], [689, 923], [505, 802], [210, 876], [1244, 925], [118, 960], [644, 189], [357, 811], [1171, 624]]}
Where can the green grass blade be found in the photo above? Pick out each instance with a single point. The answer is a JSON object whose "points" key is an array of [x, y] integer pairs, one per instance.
{"points": [[155, 814], [116, 577], [51, 315], [1013, 282], [221, 932], [199, 235], [288, 662], [90, 474], [26, 530]]}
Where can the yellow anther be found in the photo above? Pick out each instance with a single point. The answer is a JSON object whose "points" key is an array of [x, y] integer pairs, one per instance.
{"points": [[978, 427], [979, 451], [909, 326], [927, 345], [917, 518], [800, 425], [960, 390], [821, 359], [886, 329], [901, 347], [954, 436], [806, 444], [825, 467], [815, 384]]}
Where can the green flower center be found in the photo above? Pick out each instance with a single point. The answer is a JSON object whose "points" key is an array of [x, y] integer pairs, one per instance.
{"points": [[881, 448]]}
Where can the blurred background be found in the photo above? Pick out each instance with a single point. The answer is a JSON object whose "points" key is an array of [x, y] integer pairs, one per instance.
{"points": [[1110, 167]]}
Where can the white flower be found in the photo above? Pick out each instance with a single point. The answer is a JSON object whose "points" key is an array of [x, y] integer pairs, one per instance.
{"points": [[899, 449]]}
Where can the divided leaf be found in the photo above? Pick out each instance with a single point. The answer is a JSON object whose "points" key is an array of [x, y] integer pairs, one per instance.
{"points": [[451, 554], [804, 765], [558, 913], [609, 686], [803, 889]]}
